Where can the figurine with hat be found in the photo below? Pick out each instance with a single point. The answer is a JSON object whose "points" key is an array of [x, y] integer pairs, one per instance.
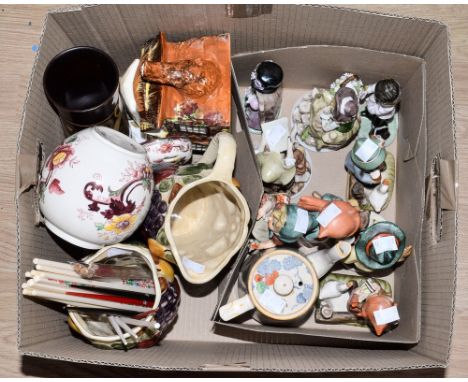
{"points": [[380, 246], [371, 171], [382, 100], [263, 98]]}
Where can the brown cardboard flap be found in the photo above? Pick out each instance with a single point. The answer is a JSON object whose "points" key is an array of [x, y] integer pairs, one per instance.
{"points": [[448, 184], [28, 165], [441, 188]]}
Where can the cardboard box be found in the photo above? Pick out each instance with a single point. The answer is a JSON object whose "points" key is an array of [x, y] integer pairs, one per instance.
{"points": [[420, 56]]}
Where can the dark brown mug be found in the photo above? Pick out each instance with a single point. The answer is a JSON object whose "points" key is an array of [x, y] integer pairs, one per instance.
{"points": [[82, 86]]}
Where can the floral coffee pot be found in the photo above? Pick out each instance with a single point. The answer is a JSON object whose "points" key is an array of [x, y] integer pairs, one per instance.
{"points": [[206, 220], [283, 285], [95, 189]]}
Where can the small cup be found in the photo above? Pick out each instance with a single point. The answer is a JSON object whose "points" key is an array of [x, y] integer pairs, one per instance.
{"points": [[82, 86]]}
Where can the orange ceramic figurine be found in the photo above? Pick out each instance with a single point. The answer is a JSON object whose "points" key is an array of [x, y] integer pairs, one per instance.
{"points": [[344, 225], [371, 302]]}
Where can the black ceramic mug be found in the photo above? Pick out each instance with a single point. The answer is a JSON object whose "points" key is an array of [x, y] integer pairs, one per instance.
{"points": [[82, 86]]}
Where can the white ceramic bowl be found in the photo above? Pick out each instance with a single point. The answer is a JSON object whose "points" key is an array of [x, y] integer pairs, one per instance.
{"points": [[95, 188]]}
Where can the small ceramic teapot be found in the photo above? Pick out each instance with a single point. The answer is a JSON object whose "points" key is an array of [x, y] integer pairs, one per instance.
{"points": [[206, 222], [95, 188], [283, 285], [95, 326]]}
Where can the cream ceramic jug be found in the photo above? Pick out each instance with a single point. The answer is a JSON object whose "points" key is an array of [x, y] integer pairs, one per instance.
{"points": [[206, 223]]}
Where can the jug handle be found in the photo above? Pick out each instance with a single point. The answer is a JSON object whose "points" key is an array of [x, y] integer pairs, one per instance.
{"points": [[222, 149], [236, 308]]}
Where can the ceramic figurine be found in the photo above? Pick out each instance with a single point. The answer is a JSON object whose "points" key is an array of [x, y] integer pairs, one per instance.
{"points": [[382, 102], [328, 119], [206, 222], [284, 166], [95, 188], [379, 246], [372, 303], [282, 285], [376, 197], [275, 169], [184, 88], [289, 223], [365, 161], [263, 97], [95, 325], [169, 150], [335, 292], [303, 171], [345, 224]]}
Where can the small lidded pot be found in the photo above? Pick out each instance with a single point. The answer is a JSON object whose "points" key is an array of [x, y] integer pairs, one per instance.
{"points": [[282, 286]]}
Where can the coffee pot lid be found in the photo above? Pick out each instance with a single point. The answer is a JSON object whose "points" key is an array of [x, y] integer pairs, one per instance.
{"points": [[283, 285]]}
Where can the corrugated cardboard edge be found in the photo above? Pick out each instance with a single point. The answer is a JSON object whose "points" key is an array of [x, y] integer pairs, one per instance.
{"points": [[454, 285], [18, 191], [229, 368]]}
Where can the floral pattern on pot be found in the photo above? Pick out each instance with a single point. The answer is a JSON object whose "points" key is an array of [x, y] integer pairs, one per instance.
{"points": [[95, 188], [283, 284], [117, 207], [62, 155]]}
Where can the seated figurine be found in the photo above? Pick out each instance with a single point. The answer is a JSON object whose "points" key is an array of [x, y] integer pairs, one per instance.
{"points": [[329, 119]]}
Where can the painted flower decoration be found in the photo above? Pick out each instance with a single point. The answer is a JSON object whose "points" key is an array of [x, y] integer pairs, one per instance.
{"points": [[121, 223], [291, 262], [60, 156], [54, 187], [270, 279], [306, 294], [268, 267]]}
